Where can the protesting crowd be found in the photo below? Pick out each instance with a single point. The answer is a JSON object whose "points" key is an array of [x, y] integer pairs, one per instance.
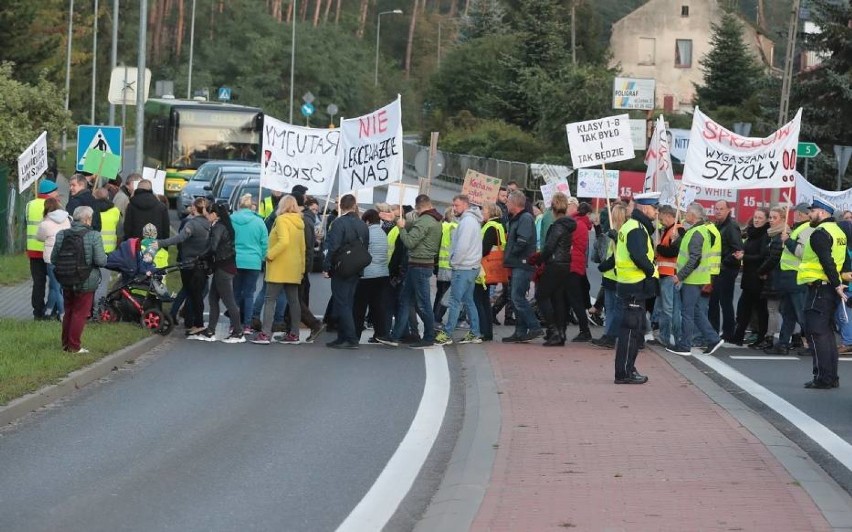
{"points": [[660, 273]]}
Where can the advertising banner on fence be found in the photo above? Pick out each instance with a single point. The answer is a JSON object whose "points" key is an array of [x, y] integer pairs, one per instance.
{"points": [[590, 184], [597, 142], [32, 163], [480, 187], [719, 158], [294, 155], [659, 176], [371, 152], [633, 93]]}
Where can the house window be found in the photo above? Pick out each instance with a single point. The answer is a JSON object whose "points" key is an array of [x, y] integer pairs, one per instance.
{"points": [[684, 11], [647, 50], [683, 53]]}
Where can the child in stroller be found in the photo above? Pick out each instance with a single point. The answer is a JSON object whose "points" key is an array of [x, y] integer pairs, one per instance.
{"points": [[140, 293]]}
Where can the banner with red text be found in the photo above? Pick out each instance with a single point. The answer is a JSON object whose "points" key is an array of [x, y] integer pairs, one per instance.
{"points": [[371, 149], [659, 176], [719, 158]]}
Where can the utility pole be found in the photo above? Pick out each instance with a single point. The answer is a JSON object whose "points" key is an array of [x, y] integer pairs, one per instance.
{"points": [[191, 51], [439, 44], [113, 57], [574, 32], [787, 80], [140, 84], [68, 71], [293, 60], [94, 59]]}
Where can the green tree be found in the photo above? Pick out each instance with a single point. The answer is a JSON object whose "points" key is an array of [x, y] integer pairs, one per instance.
{"points": [[731, 74], [25, 111], [490, 138], [485, 17]]}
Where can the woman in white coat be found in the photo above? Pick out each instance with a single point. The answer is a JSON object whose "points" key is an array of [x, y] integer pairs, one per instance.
{"points": [[55, 220]]}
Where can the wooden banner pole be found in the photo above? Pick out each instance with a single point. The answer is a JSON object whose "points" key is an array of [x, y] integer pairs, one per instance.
{"points": [[606, 193]]}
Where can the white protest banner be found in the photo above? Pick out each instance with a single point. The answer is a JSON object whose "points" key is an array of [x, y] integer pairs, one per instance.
{"points": [[295, 155], [32, 162], [371, 153], [659, 175], [401, 194], [679, 144], [550, 173], [806, 192], [480, 188], [549, 189], [157, 179], [718, 158], [363, 196], [597, 142], [633, 93], [590, 184]]}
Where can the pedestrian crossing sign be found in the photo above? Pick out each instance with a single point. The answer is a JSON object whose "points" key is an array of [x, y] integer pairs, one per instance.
{"points": [[103, 138]]}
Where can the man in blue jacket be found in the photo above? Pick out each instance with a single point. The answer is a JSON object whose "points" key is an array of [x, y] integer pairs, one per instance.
{"points": [[520, 245]]}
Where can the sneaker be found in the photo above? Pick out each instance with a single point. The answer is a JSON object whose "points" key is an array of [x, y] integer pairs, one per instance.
{"points": [[81, 351], [604, 342], [205, 335], [514, 339], [387, 341], [443, 338], [236, 337], [844, 349], [315, 332], [192, 331], [778, 349], [470, 338], [583, 337], [713, 348], [532, 335], [410, 339], [260, 338], [423, 344], [342, 345], [289, 338], [679, 351], [247, 330]]}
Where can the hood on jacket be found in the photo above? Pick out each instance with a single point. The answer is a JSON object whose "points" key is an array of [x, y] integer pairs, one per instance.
{"points": [[473, 212], [292, 218], [583, 221], [244, 217], [145, 200], [569, 223], [104, 205], [59, 216], [433, 213]]}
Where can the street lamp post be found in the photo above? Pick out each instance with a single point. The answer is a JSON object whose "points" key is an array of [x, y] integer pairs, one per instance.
{"points": [[292, 60], [378, 34], [191, 52], [68, 71]]}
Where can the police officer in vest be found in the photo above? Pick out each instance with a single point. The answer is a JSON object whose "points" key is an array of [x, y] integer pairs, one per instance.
{"points": [[35, 249], [695, 267], [819, 270], [637, 280]]}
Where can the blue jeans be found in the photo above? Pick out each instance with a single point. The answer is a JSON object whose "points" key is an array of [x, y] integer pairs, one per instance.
{"points": [[668, 310], [527, 322], [245, 283], [461, 293], [415, 287], [694, 316], [55, 303], [343, 297], [612, 303], [844, 322], [280, 305], [792, 312]]}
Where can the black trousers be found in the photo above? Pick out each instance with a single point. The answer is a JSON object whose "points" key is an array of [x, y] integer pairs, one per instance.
{"points": [[751, 304], [723, 297], [551, 294], [483, 308], [438, 309], [820, 305], [578, 297], [629, 336], [195, 282], [505, 300], [38, 271], [375, 294]]}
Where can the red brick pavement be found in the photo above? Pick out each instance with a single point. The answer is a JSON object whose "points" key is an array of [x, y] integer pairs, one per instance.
{"points": [[579, 452]]}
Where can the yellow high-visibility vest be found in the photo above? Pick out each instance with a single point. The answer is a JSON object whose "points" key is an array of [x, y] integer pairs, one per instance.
{"points": [[264, 209], [35, 214], [700, 275], [715, 255], [810, 269], [109, 228], [610, 251], [447, 229], [789, 261], [625, 269], [393, 235]]}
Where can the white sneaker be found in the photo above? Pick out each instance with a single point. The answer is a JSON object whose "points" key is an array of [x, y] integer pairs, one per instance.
{"points": [[82, 351]]}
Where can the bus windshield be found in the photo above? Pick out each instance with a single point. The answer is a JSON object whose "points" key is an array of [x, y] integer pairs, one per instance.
{"points": [[205, 135]]}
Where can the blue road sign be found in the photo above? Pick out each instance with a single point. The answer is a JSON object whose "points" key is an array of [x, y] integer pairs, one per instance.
{"points": [[225, 94], [307, 109], [104, 138]]}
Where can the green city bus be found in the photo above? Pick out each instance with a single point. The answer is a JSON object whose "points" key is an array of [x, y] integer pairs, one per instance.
{"points": [[181, 135]]}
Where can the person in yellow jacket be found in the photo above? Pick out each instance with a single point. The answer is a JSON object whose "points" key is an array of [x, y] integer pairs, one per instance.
{"points": [[285, 265], [637, 280], [35, 249], [695, 268], [819, 270]]}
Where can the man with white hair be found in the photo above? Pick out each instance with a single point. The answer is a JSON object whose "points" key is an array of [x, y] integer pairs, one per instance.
{"points": [[694, 271], [520, 245], [77, 257]]}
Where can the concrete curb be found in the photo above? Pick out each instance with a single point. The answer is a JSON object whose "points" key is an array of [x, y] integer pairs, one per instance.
{"points": [[76, 380], [831, 499], [456, 503]]}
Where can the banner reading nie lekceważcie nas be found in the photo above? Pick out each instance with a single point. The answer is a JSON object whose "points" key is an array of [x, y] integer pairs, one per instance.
{"points": [[719, 158], [371, 149]]}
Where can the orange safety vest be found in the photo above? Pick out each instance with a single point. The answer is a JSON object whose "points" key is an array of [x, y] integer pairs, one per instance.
{"points": [[667, 265], [495, 272]]}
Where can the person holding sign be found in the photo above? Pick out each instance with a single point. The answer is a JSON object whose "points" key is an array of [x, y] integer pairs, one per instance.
{"points": [[819, 270], [637, 280]]}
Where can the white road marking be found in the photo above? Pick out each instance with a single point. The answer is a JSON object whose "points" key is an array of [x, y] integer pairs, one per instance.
{"points": [[825, 438], [764, 357], [394, 482]]}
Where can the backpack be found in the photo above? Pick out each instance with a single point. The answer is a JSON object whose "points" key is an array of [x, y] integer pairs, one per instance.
{"points": [[70, 267]]}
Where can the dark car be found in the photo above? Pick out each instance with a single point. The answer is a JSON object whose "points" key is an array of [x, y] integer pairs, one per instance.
{"points": [[229, 178], [203, 177]]}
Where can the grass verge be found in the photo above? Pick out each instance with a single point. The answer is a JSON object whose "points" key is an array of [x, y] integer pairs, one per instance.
{"points": [[14, 269], [31, 354]]}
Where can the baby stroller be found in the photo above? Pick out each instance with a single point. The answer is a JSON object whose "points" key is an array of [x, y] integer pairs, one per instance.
{"points": [[139, 296]]}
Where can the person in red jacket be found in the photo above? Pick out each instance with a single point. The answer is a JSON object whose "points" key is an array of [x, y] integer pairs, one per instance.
{"points": [[578, 283]]}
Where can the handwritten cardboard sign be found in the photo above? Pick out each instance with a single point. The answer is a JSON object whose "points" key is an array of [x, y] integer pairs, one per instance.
{"points": [[480, 188], [294, 155], [32, 162], [371, 152]]}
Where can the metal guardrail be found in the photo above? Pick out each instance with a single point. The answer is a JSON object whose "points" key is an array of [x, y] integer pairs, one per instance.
{"points": [[456, 166]]}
